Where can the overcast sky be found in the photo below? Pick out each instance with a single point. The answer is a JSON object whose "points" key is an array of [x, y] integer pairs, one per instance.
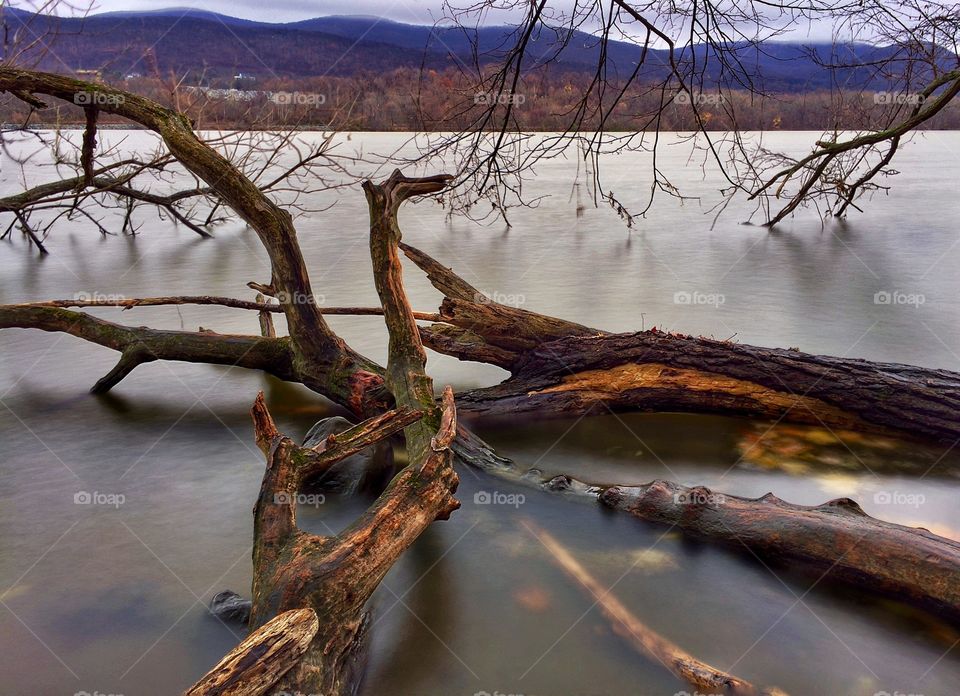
{"points": [[410, 11]]}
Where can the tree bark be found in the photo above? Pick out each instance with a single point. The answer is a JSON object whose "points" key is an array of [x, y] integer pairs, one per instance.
{"points": [[263, 657]]}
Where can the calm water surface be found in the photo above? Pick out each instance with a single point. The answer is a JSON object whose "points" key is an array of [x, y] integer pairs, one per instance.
{"points": [[112, 599]]}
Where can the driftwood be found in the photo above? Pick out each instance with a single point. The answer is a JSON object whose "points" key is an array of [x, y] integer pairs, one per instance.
{"points": [[263, 657], [641, 637]]}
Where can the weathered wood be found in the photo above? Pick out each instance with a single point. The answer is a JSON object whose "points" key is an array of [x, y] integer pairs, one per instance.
{"points": [[337, 575], [406, 366], [638, 635], [262, 658], [267, 329]]}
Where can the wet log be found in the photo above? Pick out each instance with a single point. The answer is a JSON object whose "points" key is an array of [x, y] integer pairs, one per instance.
{"points": [[336, 575], [638, 635], [654, 371], [262, 658], [836, 538], [836, 541]]}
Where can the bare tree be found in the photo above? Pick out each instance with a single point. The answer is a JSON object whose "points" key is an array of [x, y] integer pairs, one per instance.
{"points": [[706, 57]]}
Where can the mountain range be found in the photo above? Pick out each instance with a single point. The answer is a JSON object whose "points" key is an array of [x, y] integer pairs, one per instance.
{"points": [[207, 46]]}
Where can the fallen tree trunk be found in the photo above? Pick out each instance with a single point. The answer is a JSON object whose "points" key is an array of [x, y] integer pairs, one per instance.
{"points": [[654, 371], [562, 368], [640, 636], [557, 366], [837, 540]]}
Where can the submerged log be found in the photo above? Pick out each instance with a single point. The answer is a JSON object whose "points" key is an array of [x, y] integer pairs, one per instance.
{"points": [[837, 538], [638, 635]]}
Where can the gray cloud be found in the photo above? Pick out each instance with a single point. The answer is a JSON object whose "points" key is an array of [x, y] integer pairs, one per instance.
{"points": [[411, 11]]}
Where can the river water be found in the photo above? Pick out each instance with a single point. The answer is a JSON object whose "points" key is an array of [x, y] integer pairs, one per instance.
{"points": [[111, 596]]}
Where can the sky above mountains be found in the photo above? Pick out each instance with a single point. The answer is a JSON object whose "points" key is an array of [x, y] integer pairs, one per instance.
{"points": [[409, 11]]}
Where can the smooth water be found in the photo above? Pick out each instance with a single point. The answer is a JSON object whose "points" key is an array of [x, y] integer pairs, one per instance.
{"points": [[111, 598]]}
